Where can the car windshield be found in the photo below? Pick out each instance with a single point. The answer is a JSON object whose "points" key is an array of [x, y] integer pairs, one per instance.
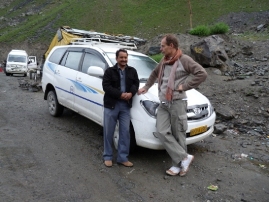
{"points": [[16, 58], [143, 65]]}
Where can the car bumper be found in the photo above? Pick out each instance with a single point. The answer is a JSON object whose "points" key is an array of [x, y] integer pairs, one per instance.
{"points": [[16, 71], [145, 138]]}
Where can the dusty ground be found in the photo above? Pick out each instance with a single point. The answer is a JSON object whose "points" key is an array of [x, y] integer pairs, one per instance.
{"points": [[43, 158], [60, 159]]}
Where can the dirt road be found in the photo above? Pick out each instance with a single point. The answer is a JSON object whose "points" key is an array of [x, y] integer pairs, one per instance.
{"points": [[43, 158]]}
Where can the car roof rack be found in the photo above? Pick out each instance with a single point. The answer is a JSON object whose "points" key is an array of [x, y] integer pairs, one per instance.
{"points": [[97, 41]]}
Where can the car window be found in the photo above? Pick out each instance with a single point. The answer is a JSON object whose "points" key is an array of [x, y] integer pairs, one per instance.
{"points": [[143, 65], [32, 59], [57, 55], [16, 58], [71, 60], [92, 60]]}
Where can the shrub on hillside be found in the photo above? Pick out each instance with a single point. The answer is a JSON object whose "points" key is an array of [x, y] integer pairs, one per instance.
{"points": [[203, 30], [200, 30], [219, 28]]}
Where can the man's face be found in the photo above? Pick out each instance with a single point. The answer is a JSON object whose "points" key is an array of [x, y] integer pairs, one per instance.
{"points": [[122, 59], [166, 49]]}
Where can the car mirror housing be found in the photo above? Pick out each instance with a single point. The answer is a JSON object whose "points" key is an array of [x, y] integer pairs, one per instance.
{"points": [[95, 71]]}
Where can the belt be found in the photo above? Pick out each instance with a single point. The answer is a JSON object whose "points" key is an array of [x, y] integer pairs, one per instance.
{"points": [[166, 103]]}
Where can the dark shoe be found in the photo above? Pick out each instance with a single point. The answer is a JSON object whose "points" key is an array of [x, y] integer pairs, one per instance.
{"points": [[185, 165], [126, 164], [108, 163]]}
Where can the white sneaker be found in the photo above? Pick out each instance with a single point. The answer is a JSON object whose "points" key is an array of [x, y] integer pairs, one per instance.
{"points": [[185, 164], [173, 171]]}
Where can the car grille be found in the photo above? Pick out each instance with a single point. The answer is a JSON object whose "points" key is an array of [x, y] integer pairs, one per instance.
{"points": [[197, 112], [16, 66]]}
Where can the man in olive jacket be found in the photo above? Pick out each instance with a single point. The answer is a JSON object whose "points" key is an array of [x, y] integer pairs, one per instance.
{"points": [[120, 84]]}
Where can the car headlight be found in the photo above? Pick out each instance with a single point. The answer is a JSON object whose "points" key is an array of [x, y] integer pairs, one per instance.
{"points": [[210, 109], [150, 107]]}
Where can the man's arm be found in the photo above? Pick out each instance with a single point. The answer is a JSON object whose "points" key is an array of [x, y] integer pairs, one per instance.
{"points": [[152, 78], [194, 68]]}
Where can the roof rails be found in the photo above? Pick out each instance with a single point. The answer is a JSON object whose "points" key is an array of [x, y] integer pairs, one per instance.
{"points": [[96, 41], [93, 34]]}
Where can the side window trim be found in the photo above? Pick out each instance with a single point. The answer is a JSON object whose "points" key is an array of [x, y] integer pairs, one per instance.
{"points": [[93, 52]]}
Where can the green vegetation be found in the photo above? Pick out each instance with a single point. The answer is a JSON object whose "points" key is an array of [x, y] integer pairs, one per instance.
{"points": [[203, 30], [219, 28], [157, 57], [140, 18], [253, 36]]}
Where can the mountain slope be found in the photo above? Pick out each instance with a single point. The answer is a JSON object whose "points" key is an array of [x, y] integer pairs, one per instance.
{"points": [[37, 20]]}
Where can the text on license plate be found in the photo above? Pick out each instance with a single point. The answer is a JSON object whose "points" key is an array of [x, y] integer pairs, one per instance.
{"points": [[198, 130]]}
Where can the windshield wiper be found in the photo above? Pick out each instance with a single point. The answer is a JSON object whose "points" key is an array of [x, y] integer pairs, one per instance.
{"points": [[143, 79]]}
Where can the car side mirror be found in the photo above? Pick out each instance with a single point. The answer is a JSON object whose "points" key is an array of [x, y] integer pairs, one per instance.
{"points": [[95, 71]]}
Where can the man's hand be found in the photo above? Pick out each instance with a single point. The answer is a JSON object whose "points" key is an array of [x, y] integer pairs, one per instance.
{"points": [[142, 91], [126, 96], [180, 88]]}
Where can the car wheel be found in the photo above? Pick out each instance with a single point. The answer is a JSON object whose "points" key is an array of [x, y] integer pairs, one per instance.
{"points": [[133, 145], [24, 75], [55, 109], [7, 74]]}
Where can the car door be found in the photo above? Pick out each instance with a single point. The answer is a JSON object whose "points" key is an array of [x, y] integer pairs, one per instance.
{"points": [[32, 63], [66, 73], [89, 99]]}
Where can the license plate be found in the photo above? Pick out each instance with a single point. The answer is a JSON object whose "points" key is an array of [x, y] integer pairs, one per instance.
{"points": [[196, 131]]}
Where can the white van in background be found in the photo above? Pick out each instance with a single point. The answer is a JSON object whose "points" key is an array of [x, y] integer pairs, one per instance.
{"points": [[17, 62]]}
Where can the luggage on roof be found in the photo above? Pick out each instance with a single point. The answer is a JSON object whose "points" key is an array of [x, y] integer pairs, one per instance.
{"points": [[66, 35]]}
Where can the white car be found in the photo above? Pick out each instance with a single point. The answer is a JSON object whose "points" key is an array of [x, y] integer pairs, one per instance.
{"points": [[72, 78]]}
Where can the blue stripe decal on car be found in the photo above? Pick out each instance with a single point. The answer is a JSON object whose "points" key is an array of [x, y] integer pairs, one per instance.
{"points": [[79, 96], [51, 66], [82, 87]]}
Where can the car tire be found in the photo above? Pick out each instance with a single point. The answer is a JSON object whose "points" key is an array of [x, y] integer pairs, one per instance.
{"points": [[133, 144], [7, 74], [24, 75], [55, 109]]}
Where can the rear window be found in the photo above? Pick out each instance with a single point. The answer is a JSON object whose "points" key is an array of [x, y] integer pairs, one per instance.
{"points": [[57, 55]]}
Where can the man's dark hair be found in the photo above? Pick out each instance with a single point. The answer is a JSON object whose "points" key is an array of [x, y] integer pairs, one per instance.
{"points": [[171, 39], [121, 50]]}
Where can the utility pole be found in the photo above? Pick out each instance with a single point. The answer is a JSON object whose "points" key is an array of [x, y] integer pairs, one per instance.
{"points": [[189, 1]]}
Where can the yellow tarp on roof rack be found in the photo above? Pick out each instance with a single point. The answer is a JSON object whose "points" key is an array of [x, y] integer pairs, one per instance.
{"points": [[66, 34], [61, 38]]}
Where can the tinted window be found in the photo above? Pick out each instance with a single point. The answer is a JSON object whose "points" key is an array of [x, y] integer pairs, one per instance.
{"points": [[92, 60], [57, 55], [71, 60]]}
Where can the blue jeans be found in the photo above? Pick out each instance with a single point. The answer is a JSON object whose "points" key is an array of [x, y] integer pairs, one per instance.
{"points": [[120, 113]]}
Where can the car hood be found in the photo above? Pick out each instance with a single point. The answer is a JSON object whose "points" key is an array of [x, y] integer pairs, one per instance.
{"points": [[194, 97]]}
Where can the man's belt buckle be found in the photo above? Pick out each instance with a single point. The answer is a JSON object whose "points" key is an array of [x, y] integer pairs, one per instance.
{"points": [[164, 103]]}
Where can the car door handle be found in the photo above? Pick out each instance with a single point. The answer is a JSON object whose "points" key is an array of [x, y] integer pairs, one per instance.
{"points": [[57, 72], [79, 79]]}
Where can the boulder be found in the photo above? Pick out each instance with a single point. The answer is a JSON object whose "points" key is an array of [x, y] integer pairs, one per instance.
{"points": [[210, 52]]}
